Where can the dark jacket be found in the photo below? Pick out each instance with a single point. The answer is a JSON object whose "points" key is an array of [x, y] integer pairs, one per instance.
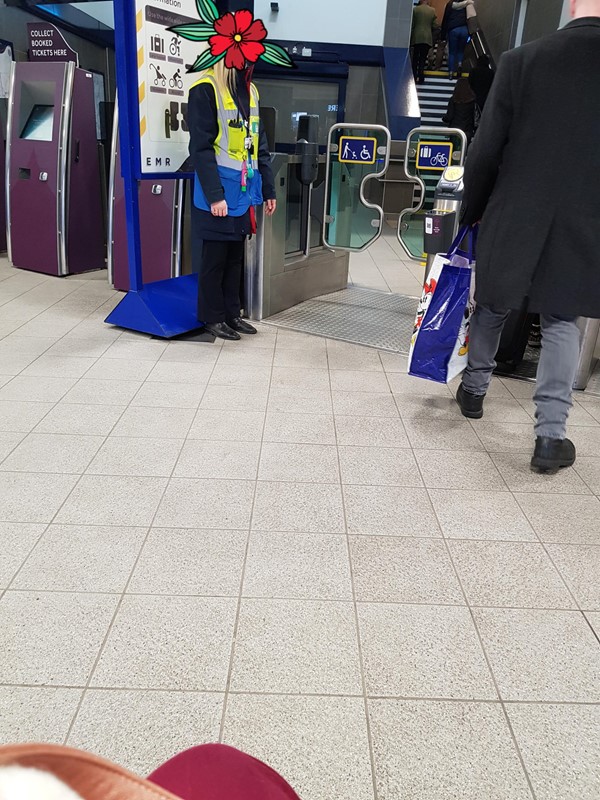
{"points": [[481, 79], [462, 116], [533, 175], [204, 129], [453, 18]]}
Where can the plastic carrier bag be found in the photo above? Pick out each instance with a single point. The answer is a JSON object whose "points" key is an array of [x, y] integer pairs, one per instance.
{"points": [[439, 348]]}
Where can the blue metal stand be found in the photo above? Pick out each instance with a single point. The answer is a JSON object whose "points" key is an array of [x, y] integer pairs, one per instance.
{"points": [[165, 308]]}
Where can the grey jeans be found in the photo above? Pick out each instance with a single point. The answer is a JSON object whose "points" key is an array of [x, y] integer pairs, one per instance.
{"points": [[556, 370]]}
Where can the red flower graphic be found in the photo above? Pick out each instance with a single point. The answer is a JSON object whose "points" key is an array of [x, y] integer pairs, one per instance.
{"points": [[240, 37]]}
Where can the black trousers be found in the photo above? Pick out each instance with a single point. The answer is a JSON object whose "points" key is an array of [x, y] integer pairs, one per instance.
{"points": [[219, 281], [419, 60]]}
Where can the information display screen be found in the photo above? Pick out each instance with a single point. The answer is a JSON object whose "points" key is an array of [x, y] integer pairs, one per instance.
{"points": [[40, 124]]}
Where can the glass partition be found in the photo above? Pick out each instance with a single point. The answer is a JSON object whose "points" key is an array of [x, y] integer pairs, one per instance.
{"points": [[355, 155], [428, 152]]}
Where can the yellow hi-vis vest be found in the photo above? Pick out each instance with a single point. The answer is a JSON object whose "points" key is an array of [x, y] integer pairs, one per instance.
{"points": [[230, 151]]}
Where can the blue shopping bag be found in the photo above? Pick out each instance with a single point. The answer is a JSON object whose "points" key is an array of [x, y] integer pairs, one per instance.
{"points": [[440, 342]]}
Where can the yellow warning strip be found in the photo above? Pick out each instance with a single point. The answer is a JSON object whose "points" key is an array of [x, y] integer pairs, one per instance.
{"points": [[142, 92], [138, 21], [142, 126], [140, 57]]}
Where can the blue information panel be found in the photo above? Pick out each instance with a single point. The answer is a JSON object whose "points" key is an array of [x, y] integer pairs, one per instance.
{"points": [[357, 149], [434, 155]]}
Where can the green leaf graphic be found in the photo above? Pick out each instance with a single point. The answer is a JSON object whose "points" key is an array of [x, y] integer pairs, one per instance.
{"points": [[205, 61], [207, 10], [194, 31], [274, 54]]}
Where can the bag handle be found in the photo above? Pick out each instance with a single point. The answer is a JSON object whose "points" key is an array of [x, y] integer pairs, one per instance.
{"points": [[471, 231]]}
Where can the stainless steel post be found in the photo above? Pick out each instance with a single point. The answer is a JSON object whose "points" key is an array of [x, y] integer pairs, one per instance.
{"points": [[590, 328]]}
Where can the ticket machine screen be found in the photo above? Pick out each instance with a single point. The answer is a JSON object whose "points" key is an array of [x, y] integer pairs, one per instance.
{"points": [[40, 123]]}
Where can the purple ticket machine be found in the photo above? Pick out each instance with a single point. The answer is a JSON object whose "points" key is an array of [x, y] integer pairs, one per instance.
{"points": [[161, 210], [53, 192]]}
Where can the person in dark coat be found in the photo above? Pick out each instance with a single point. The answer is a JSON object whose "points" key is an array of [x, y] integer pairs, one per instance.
{"points": [[218, 236], [481, 78], [456, 32], [533, 179], [461, 109]]}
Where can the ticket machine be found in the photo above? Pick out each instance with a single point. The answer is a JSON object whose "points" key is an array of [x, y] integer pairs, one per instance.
{"points": [[161, 211], [53, 172]]}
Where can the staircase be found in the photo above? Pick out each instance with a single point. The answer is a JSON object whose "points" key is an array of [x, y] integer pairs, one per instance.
{"points": [[434, 96]]}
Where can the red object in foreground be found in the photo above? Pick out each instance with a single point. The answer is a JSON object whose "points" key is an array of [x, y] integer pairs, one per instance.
{"points": [[240, 37], [219, 772]]}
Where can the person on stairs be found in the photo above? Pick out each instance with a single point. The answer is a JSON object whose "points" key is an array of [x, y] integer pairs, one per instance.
{"points": [[539, 240], [461, 109], [456, 32], [421, 40]]}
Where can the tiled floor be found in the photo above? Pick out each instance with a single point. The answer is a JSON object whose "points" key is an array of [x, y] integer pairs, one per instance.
{"points": [[289, 545]]}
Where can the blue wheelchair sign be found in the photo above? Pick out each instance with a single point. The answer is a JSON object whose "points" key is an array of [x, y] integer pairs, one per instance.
{"points": [[357, 149], [434, 155]]}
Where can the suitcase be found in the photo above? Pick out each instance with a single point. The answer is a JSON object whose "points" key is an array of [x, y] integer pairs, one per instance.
{"points": [[513, 342]]}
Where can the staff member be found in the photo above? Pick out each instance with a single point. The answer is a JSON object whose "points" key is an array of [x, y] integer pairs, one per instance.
{"points": [[232, 163]]}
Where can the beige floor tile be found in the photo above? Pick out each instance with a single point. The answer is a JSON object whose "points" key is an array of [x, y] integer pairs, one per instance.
{"points": [[141, 457], [241, 376], [147, 350], [390, 511], [377, 466], [190, 562], [132, 369], [433, 408], [21, 417], [74, 558], [407, 385], [516, 471], [234, 426], [8, 443], [296, 647], [206, 503], [371, 431], [290, 400], [459, 469], [364, 404], [306, 380], [561, 749], [31, 496], [402, 570], [36, 714], [342, 356], [309, 566], [319, 744], [36, 389], [141, 730], [188, 374], [53, 452], [442, 435], [166, 423], [236, 398], [465, 514], [509, 574], [423, 651], [359, 381], [549, 656], [93, 391], [444, 751], [168, 395], [16, 541], [562, 518], [589, 470], [246, 357], [587, 442], [505, 437], [229, 460], [580, 567], [393, 362], [52, 638], [192, 352], [168, 643], [80, 419], [112, 500], [48, 366], [302, 463], [299, 428], [301, 507], [297, 359], [293, 340]]}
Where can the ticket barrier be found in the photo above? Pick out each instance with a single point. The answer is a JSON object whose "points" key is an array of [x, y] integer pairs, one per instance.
{"points": [[53, 171], [161, 224]]}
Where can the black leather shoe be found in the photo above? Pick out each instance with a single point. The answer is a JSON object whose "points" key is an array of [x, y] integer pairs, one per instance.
{"points": [[222, 331], [552, 454], [241, 326], [471, 405]]}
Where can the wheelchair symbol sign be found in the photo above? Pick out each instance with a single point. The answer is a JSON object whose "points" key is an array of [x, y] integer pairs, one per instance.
{"points": [[357, 149]]}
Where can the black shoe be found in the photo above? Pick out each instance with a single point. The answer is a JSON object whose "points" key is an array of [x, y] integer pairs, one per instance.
{"points": [[239, 325], [222, 331], [552, 454], [471, 405]]}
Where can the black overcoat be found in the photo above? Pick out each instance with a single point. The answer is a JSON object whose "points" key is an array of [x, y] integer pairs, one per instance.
{"points": [[533, 177]]}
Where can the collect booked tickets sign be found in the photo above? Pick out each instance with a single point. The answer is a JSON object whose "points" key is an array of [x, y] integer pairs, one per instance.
{"points": [[163, 82], [46, 43]]}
